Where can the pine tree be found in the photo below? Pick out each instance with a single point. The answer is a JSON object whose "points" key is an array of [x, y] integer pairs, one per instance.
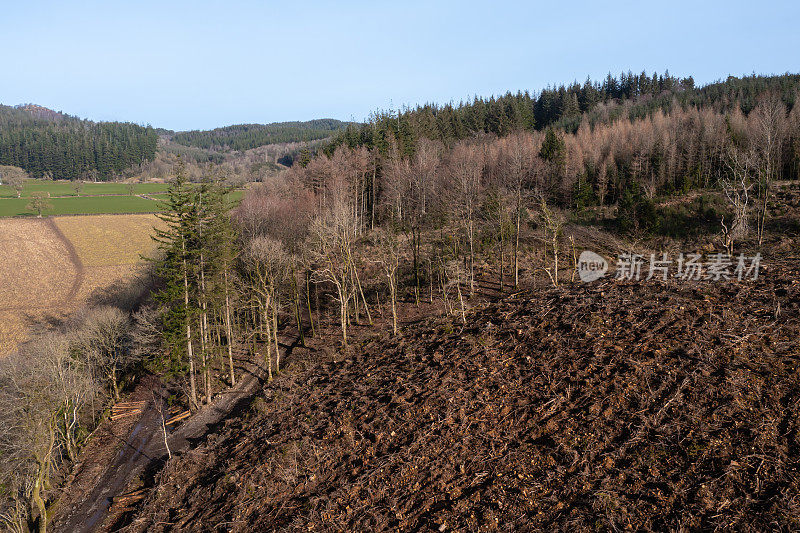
{"points": [[553, 148], [174, 268]]}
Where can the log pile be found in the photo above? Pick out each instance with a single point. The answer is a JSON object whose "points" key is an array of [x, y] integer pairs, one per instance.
{"points": [[126, 409]]}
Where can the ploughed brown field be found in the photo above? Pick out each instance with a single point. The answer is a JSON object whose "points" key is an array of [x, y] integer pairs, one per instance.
{"points": [[609, 406], [52, 266]]}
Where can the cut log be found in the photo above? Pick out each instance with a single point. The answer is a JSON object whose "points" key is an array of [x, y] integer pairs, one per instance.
{"points": [[178, 418], [125, 414]]}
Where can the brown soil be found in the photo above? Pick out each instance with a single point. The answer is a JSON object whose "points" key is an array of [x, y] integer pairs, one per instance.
{"points": [[610, 406], [124, 451]]}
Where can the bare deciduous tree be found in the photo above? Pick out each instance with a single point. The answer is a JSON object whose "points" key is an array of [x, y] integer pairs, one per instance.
{"points": [[39, 202], [770, 122], [520, 166], [43, 391], [552, 223], [466, 165], [388, 255], [332, 242], [737, 183], [14, 177], [267, 266], [105, 340]]}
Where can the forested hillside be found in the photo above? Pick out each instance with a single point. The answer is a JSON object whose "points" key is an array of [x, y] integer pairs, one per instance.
{"points": [[50, 144], [566, 107], [621, 142], [246, 136]]}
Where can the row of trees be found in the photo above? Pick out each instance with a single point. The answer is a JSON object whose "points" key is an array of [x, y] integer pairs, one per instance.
{"points": [[656, 155]]}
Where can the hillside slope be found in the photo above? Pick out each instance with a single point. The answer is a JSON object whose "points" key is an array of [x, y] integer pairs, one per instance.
{"points": [[242, 137], [49, 143], [608, 406]]}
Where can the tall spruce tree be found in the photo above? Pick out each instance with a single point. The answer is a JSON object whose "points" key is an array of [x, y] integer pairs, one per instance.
{"points": [[175, 243]]}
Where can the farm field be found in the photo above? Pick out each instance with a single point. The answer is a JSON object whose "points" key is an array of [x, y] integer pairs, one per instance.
{"points": [[95, 198], [234, 196], [52, 266], [66, 188], [83, 205]]}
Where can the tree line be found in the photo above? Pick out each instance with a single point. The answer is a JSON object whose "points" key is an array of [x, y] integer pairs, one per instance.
{"points": [[243, 137], [628, 97], [63, 147], [53, 393]]}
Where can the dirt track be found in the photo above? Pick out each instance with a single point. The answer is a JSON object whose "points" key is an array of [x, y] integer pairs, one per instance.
{"points": [[87, 503], [80, 272]]}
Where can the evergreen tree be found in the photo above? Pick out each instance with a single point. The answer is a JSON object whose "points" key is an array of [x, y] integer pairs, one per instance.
{"points": [[176, 297], [553, 148]]}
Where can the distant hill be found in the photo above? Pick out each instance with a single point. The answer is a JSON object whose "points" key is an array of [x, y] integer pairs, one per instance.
{"points": [[247, 136], [41, 112], [50, 143]]}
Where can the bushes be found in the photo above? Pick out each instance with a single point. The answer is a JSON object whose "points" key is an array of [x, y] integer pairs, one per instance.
{"points": [[700, 215], [635, 212], [677, 219]]}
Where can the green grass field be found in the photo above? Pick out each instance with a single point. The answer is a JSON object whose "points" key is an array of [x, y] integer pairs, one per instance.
{"points": [[66, 188], [85, 205], [124, 203]]}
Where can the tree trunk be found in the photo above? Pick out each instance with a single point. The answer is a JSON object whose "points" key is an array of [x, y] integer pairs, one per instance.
{"points": [[461, 299], [37, 498], [358, 285], [296, 298], [275, 333], [415, 238], [374, 196], [189, 352], [268, 335], [555, 261], [471, 259], [393, 294], [308, 303], [502, 257], [204, 336], [343, 312], [516, 240], [114, 384], [229, 331]]}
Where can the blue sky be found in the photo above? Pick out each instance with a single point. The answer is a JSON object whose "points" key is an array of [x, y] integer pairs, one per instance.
{"points": [[203, 63]]}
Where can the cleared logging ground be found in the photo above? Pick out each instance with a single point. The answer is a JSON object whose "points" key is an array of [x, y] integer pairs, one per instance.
{"points": [[53, 266], [609, 406]]}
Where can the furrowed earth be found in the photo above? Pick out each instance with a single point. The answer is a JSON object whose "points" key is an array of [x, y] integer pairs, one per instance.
{"points": [[610, 406]]}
